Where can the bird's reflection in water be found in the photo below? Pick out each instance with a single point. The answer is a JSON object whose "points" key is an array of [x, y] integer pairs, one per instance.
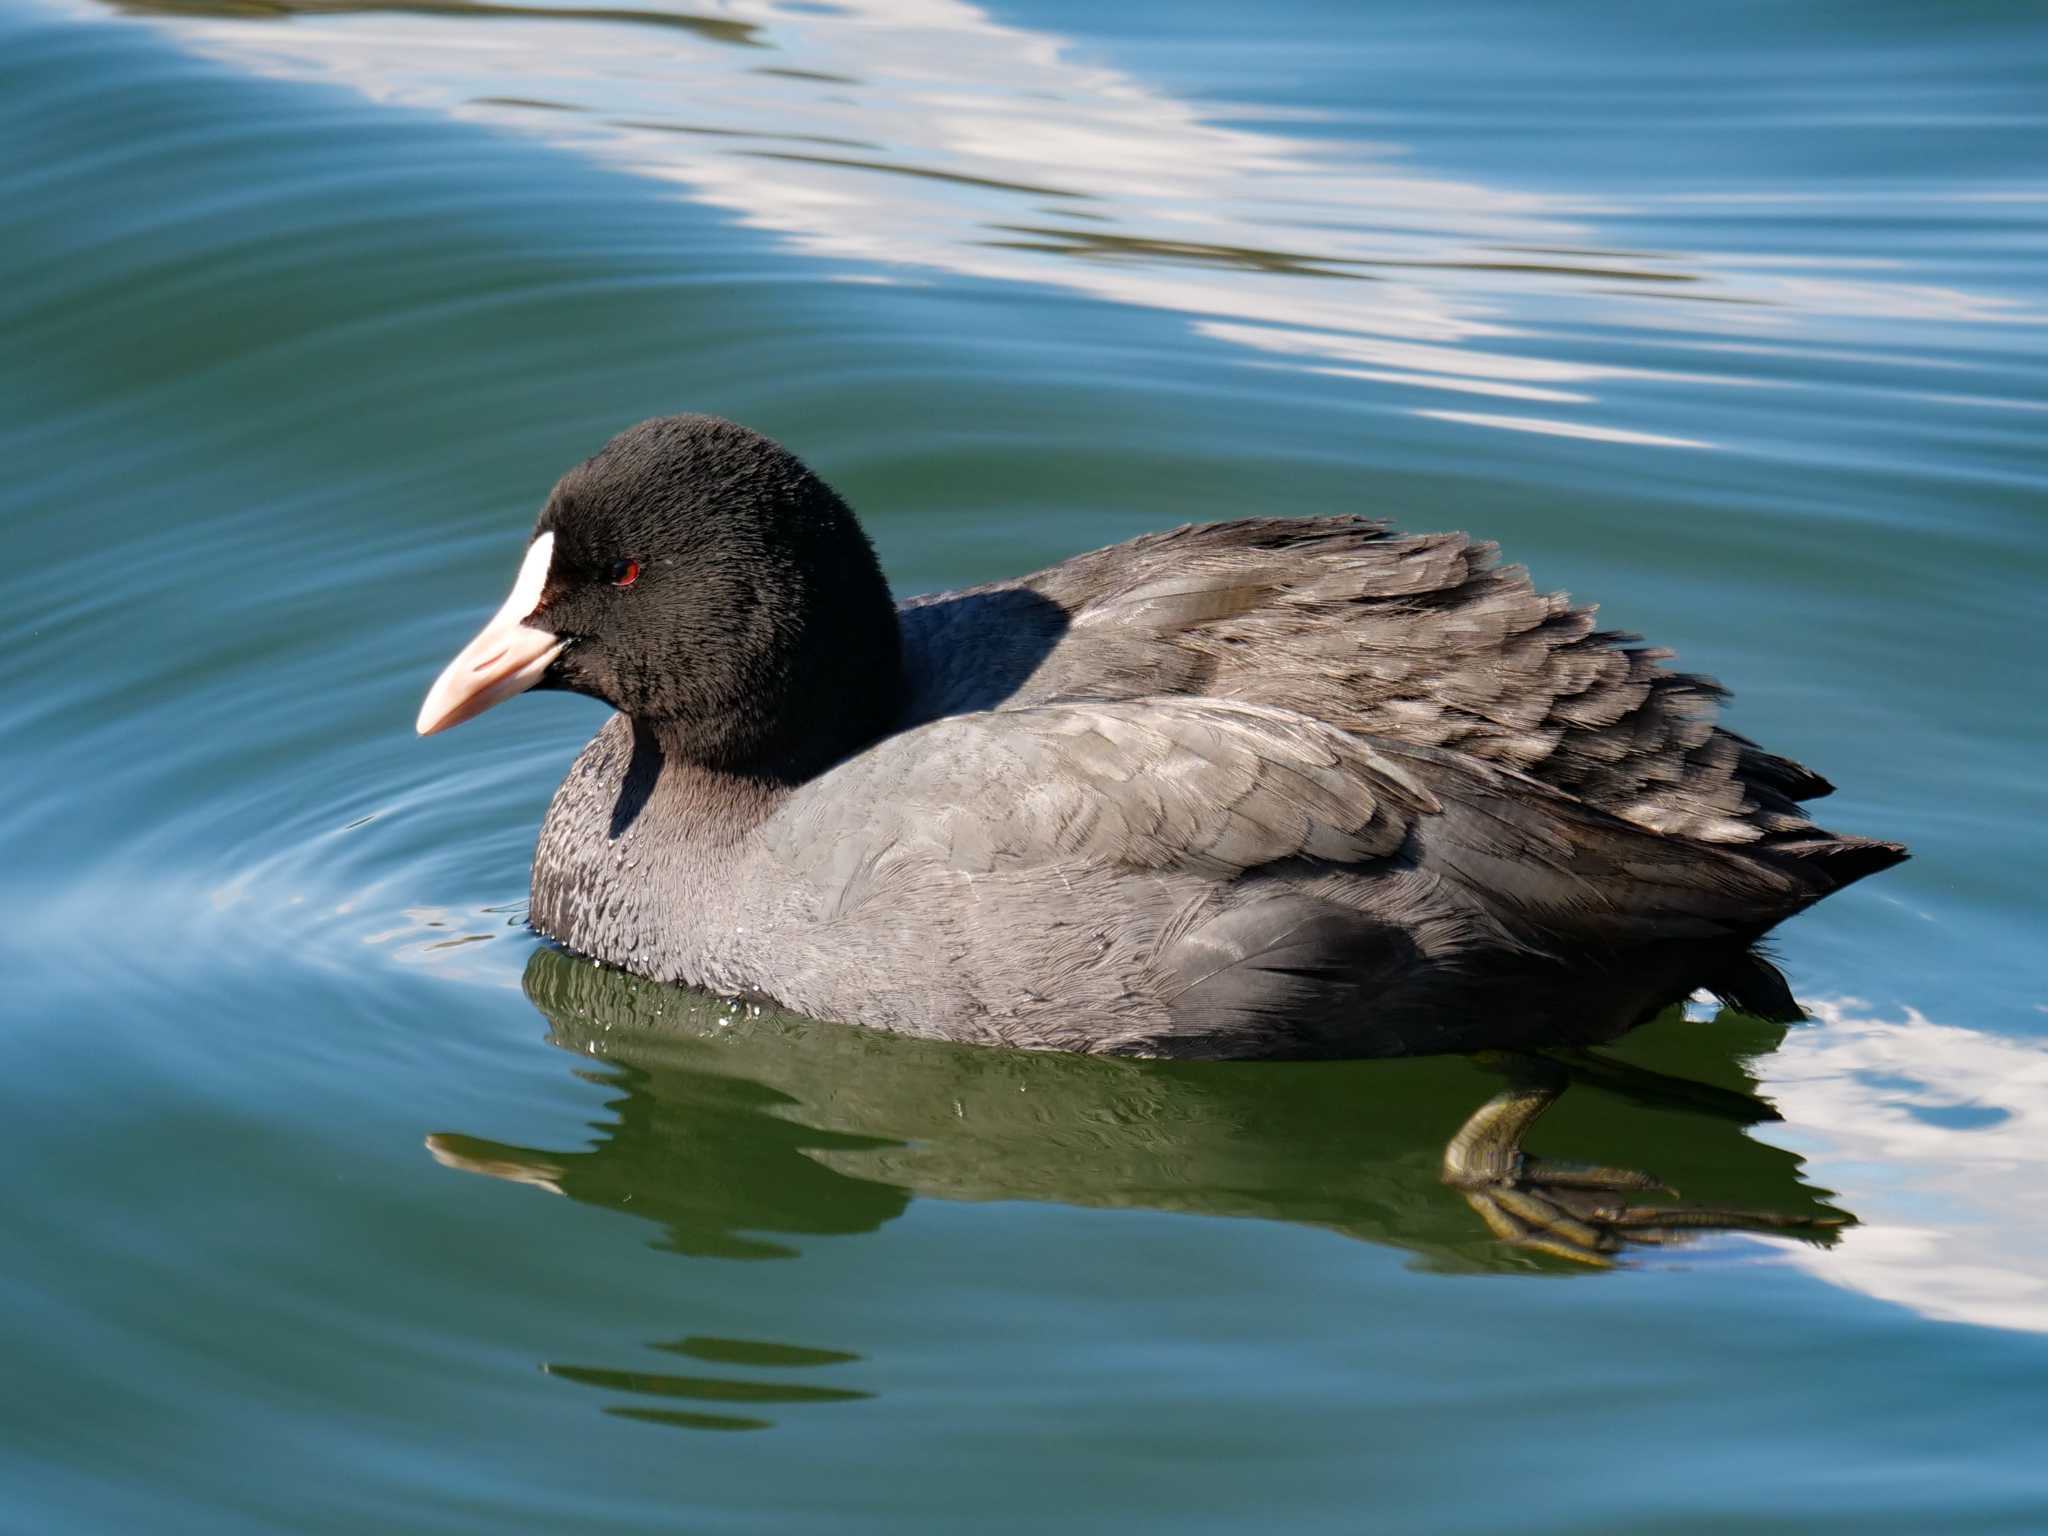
{"points": [[724, 1394], [738, 1130]]}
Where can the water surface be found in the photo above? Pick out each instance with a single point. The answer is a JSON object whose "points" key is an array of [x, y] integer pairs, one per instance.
{"points": [[1733, 321]]}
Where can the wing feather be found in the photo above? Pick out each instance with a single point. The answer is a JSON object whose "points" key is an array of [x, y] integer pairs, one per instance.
{"points": [[1200, 785]]}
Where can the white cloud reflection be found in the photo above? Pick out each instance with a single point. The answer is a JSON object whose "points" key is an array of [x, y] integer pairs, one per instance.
{"points": [[1937, 1138], [1545, 427], [926, 135]]}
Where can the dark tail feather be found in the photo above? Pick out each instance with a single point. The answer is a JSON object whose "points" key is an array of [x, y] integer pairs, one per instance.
{"points": [[1767, 771], [1845, 860], [1755, 986], [1752, 983]]}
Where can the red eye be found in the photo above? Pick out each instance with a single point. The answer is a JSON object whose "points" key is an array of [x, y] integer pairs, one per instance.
{"points": [[625, 572]]}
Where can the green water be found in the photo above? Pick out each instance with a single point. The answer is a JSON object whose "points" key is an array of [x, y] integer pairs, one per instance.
{"points": [[1730, 318]]}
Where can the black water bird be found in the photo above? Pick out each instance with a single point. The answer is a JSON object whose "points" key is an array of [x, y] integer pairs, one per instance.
{"points": [[1275, 787]]}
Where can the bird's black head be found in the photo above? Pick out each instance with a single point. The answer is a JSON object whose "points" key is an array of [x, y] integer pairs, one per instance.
{"points": [[699, 578]]}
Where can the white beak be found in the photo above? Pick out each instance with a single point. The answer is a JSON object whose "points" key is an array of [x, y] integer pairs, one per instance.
{"points": [[508, 655]]}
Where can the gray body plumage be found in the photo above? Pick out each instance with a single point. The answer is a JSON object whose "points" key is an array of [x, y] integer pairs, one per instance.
{"points": [[1263, 788]]}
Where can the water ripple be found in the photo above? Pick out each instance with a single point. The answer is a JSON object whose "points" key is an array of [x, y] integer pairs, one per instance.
{"points": [[1237, 227]]}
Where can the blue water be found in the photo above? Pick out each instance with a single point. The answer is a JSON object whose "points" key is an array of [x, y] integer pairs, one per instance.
{"points": [[1729, 319]]}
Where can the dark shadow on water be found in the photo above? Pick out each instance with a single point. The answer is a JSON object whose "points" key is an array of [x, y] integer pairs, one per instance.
{"points": [[923, 172], [705, 131], [739, 1133], [714, 28], [1098, 246]]}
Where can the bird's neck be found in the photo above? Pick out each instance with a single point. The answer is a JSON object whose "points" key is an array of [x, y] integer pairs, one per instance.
{"points": [[641, 853], [666, 792], [832, 687]]}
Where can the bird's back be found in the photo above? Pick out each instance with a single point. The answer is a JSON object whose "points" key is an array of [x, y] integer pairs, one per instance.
{"points": [[1422, 639]]}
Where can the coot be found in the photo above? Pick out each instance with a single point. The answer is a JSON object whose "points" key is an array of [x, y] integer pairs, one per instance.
{"points": [[1271, 787]]}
